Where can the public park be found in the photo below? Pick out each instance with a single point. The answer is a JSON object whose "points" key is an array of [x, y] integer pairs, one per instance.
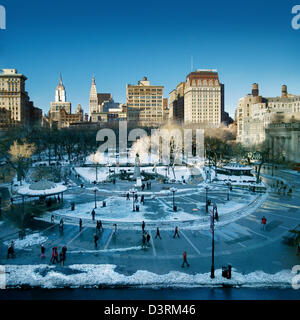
{"points": [[96, 221]]}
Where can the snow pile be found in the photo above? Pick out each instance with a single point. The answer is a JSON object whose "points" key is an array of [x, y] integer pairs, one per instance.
{"points": [[89, 174], [30, 240], [89, 275]]}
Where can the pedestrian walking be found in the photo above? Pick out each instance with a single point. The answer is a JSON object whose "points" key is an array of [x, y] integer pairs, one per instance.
{"points": [[136, 197], [100, 226], [148, 238], [11, 250], [143, 242], [80, 224], [142, 199], [115, 229], [176, 233], [263, 223], [52, 218], [54, 257], [157, 234], [61, 259], [143, 227], [93, 214], [97, 227], [61, 224], [184, 260], [42, 252], [127, 196], [96, 238], [64, 251]]}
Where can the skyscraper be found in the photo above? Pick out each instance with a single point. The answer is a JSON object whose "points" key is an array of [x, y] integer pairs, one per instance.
{"points": [[145, 103], [60, 102], [16, 100], [204, 98]]}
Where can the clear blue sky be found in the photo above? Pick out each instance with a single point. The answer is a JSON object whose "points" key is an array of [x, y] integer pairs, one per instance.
{"points": [[122, 41]]}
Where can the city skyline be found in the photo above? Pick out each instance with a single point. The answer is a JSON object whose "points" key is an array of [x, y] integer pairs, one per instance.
{"points": [[241, 41]]}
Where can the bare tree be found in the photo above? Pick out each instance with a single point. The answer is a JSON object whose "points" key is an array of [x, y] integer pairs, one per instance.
{"points": [[20, 155]]}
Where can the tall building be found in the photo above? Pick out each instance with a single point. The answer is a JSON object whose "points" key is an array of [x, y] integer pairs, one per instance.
{"points": [[60, 102], [100, 105], [204, 98], [176, 103], [145, 103], [15, 99], [255, 114]]}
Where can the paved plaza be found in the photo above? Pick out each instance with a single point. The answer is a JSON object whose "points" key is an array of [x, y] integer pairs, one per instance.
{"points": [[239, 238]]}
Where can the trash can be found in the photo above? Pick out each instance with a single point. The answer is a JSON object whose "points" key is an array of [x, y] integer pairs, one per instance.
{"points": [[137, 208], [72, 206], [104, 204], [175, 208], [224, 272]]}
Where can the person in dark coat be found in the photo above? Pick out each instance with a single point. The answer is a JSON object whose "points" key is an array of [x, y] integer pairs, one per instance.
{"points": [[80, 224], [143, 227], [143, 242], [157, 234], [42, 252], [176, 233], [148, 238], [96, 238], [93, 214], [11, 250]]}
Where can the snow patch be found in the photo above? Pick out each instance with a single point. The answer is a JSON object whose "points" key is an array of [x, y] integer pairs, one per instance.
{"points": [[29, 241], [89, 275]]}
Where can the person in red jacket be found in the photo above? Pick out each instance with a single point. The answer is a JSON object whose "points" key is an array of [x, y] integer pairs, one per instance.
{"points": [[263, 223], [54, 257], [184, 260]]}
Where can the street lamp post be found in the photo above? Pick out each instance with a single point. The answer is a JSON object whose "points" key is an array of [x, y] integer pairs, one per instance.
{"points": [[95, 191], [133, 191], [173, 190], [206, 195], [212, 230], [96, 172]]}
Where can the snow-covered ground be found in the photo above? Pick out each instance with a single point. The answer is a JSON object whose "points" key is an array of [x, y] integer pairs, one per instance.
{"points": [[28, 241], [91, 275], [181, 172], [156, 209]]}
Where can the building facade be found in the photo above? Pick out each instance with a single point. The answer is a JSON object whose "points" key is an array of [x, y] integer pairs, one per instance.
{"points": [[204, 98], [200, 99], [60, 103], [145, 103], [176, 103], [102, 107], [15, 99], [284, 141], [255, 114]]}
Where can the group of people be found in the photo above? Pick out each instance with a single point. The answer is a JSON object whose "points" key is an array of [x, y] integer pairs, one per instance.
{"points": [[146, 240], [54, 257]]}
